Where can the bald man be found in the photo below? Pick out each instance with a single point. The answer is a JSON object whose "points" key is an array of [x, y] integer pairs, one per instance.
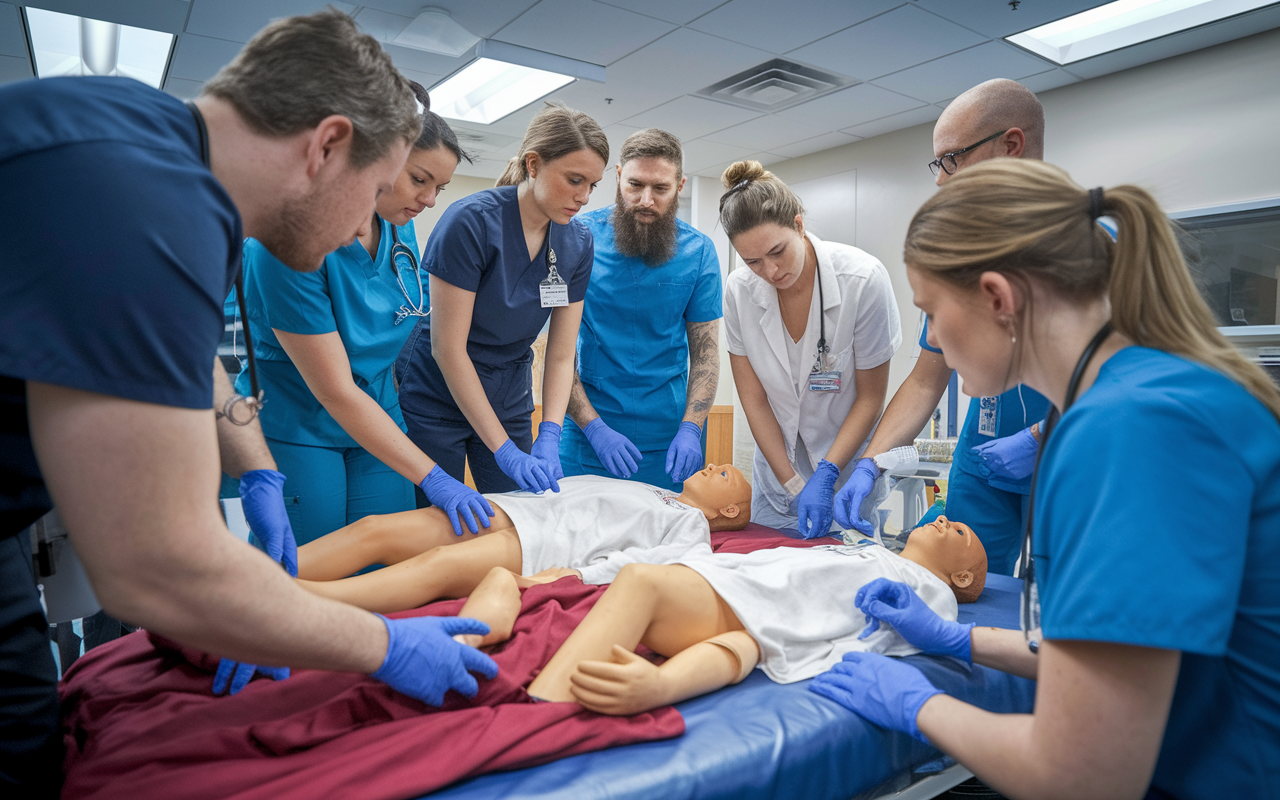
{"points": [[987, 489]]}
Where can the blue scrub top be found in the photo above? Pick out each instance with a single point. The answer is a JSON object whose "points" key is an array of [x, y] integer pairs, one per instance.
{"points": [[1014, 410], [351, 293], [633, 346], [1157, 524]]}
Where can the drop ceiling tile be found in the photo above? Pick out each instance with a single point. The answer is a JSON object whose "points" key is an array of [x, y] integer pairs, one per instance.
{"points": [[239, 20], [13, 40], [776, 27], [691, 117], [700, 154], [849, 107], [380, 25], [1049, 80], [907, 119], [817, 144], [997, 20], [482, 18], [14, 69], [950, 75], [583, 29], [890, 42], [198, 58], [617, 135], [592, 98], [678, 11], [183, 89], [766, 133]]}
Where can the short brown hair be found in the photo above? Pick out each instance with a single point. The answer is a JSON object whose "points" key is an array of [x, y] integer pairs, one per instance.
{"points": [[299, 70], [555, 132], [653, 143]]}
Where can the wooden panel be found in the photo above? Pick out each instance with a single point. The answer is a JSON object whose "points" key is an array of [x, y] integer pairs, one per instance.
{"points": [[720, 435]]}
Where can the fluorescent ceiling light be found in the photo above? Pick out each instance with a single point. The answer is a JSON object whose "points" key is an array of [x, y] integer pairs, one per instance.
{"points": [[503, 78], [1124, 23], [69, 45]]}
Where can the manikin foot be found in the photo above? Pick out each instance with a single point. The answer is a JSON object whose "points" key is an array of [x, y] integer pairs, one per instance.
{"points": [[495, 602]]}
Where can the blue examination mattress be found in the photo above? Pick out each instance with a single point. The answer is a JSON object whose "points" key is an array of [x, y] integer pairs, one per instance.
{"points": [[760, 739]]}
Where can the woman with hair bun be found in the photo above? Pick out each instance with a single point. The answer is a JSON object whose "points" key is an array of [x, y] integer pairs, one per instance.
{"points": [[326, 342], [502, 262], [811, 326]]}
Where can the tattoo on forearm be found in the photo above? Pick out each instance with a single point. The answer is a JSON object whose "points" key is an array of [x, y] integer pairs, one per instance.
{"points": [[579, 406], [704, 369]]}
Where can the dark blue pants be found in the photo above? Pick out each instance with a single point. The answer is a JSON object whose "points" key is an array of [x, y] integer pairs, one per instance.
{"points": [[452, 444]]}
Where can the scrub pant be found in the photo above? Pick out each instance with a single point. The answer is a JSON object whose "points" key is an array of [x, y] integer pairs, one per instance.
{"points": [[578, 458], [997, 517], [327, 488], [453, 444], [30, 748]]}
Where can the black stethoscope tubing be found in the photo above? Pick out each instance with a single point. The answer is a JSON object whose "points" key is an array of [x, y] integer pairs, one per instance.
{"points": [[398, 248]]}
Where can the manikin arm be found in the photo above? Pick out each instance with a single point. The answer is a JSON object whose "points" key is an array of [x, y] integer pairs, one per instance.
{"points": [[912, 404]]}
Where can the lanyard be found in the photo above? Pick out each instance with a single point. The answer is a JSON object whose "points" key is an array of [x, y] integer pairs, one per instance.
{"points": [[820, 364], [1030, 616], [412, 309]]}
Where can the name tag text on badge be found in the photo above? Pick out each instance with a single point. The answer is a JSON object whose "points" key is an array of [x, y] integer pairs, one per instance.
{"points": [[987, 416], [824, 381], [554, 295]]}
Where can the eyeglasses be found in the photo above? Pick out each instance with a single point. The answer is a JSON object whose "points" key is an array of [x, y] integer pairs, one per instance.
{"points": [[947, 161]]}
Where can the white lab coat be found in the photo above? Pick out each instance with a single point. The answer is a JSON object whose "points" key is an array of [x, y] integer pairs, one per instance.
{"points": [[863, 332]]}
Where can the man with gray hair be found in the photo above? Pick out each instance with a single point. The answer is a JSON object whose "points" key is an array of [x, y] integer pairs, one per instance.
{"points": [[648, 347], [990, 476], [108, 329]]}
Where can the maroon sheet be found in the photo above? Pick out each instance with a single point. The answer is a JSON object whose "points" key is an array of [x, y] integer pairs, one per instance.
{"points": [[139, 721]]}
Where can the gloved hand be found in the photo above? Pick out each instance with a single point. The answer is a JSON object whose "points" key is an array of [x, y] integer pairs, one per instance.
{"points": [[232, 676], [457, 500], [262, 496], [815, 501], [615, 451], [684, 456], [882, 689], [896, 604], [424, 662], [547, 448], [529, 472], [1010, 458], [848, 503]]}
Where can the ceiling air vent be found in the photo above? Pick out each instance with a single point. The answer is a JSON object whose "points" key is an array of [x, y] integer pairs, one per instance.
{"points": [[775, 85]]}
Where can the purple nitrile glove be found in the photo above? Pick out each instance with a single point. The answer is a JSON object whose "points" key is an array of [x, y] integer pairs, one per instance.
{"points": [[848, 502], [615, 451], [547, 448], [262, 497], [529, 472], [1010, 458], [884, 690], [232, 676], [425, 662], [684, 456], [883, 600], [457, 500], [815, 503]]}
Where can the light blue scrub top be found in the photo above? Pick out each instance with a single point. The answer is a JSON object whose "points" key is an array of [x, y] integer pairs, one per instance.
{"points": [[351, 293], [633, 346], [1014, 410], [1157, 524]]}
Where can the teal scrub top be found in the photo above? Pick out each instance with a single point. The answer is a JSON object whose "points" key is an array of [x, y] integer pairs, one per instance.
{"points": [[351, 293], [1157, 524], [633, 346]]}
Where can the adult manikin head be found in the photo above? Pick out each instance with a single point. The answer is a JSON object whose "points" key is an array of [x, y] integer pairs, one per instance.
{"points": [[951, 551], [650, 177], [999, 106], [722, 494]]}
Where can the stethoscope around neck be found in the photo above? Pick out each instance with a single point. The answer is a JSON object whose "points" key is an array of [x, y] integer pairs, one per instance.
{"points": [[400, 250], [1030, 612]]}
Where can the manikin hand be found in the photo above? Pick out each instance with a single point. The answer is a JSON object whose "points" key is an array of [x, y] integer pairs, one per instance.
{"points": [[615, 451], [848, 503], [529, 472], [895, 603], [684, 456], [547, 449], [424, 662], [815, 501], [458, 501], [882, 689], [1010, 458], [627, 684]]}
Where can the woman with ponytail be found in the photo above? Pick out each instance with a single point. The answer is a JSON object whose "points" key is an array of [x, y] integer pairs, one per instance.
{"points": [[1152, 564], [326, 342], [502, 262]]}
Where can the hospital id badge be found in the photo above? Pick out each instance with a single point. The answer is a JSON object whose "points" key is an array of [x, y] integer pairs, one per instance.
{"points": [[824, 381], [988, 415], [553, 291]]}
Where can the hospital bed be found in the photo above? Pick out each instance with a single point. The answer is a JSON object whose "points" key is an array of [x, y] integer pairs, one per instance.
{"points": [[760, 739]]}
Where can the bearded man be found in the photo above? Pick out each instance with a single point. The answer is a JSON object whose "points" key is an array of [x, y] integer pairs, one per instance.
{"points": [[648, 347]]}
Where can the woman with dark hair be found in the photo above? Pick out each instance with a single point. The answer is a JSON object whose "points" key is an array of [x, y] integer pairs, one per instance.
{"points": [[502, 262], [325, 343]]}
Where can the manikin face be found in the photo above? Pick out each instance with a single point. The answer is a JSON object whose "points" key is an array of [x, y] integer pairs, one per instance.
{"points": [[946, 548], [773, 252], [648, 187], [972, 339], [716, 487], [423, 178], [562, 187]]}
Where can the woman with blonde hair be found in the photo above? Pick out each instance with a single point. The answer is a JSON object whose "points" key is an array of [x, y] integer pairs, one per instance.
{"points": [[501, 262], [1152, 564], [811, 326]]}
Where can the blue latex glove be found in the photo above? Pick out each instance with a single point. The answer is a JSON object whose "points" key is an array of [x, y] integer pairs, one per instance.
{"points": [[684, 456], [457, 500], [815, 501], [547, 448], [529, 472], [232, 676], [424, 662], [1010, 458], [262, 496], [615, 451], [882, 689], [896, 603], [849, 499]]}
